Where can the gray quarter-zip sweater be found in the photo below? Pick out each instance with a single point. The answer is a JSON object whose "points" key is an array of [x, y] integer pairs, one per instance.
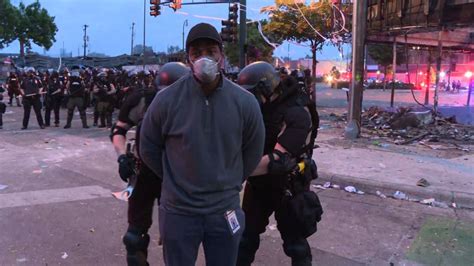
{"points": [[202, 146]]}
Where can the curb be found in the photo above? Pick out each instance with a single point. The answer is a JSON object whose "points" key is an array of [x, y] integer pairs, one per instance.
{"points": [[462, 199]]}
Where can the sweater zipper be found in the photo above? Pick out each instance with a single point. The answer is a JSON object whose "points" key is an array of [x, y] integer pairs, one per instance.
{"points": [[207, 125]]}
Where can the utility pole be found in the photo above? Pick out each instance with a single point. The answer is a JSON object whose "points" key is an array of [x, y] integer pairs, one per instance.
{"points": [[438, 69], [144, 32], [185, 23], [394, 69], [243, 34], [85, 39], [359, 22], [133, 36]]}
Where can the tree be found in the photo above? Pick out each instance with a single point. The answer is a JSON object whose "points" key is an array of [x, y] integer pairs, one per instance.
{"points": [[33, 24], [138, 50], [174, 49], [257, 49], [383, 55], [8, 21], [296, 21]]}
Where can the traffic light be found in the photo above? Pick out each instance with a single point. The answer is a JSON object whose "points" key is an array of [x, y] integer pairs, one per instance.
{"points": [[229, 27], [176, 4], [155, 8]]}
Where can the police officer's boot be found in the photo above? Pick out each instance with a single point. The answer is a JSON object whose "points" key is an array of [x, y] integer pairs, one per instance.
{"points": [[136, 242], [96, 118], [84, 121], [109, 120], [70, 113], [102, 120]]}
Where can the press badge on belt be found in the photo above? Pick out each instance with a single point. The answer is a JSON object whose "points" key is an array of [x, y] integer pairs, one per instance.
{"points": [[232, 221]]}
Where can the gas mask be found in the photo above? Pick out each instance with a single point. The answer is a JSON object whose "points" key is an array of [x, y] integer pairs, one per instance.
{"points": [[205, 69]]}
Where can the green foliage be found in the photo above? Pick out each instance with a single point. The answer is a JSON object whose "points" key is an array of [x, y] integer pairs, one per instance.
{"points": [[383, 54], [302, 23], [257, 48], [8, 21], [26, 24]]}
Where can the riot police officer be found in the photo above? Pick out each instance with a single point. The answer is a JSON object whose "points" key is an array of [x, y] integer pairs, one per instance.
{"points": [[13, 88], [31, 89], [76, 90], [104, 92], [54, 97], [283, 176], [148, 185]]}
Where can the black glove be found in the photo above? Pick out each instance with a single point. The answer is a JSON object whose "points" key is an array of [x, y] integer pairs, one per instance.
{"points": [[281, 166], [126, 167]]}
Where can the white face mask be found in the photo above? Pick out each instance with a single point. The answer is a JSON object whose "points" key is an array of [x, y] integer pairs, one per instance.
{"points": [[205, 69]]}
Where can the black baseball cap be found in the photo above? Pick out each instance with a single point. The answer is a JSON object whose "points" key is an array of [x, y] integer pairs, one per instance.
{"points": [[203, 31]]}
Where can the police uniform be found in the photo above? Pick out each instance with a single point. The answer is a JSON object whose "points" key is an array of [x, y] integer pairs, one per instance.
{"points": [[53, 100], [148, 186], [76, 99], [13, 83], [292, 122], [31, 98], [104, 102]]}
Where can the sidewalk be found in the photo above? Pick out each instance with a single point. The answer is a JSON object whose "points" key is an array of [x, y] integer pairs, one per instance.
{"points": [[389, 167]]}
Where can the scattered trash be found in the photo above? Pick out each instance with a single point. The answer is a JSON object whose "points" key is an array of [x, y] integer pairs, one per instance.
{"points": [[92, 230], [350, 189], [454, 205], [2, 187], [37, 171], [336, 186], [440, 204], [64, 256], [272, 227], [360, 192], [382, 165], [21, 260], [427, 201], [327, 185], [380, 194], [9, 112], [422, 183], [49, 148], [120, 195], [400, 195], [319, 187]]}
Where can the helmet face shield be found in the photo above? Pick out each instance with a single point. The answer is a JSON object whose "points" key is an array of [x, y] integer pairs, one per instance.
{"points": [[260, 78]]}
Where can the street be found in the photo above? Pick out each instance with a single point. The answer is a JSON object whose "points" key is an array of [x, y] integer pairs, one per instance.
{"points": [[57, 208]]}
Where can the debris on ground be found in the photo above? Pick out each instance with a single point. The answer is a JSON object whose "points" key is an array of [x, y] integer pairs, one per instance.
{"points": [[2, 187], [350, 189], [422, 183], [400, 195], [380, 194], [405, 125], [272, 227], [64, 256]]}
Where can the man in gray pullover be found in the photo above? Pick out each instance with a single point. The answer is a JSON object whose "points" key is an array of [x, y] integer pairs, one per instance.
{"points": [[203, 136]]}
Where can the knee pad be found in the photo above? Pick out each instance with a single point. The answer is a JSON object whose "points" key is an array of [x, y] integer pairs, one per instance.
{"points": [[135, 241]]}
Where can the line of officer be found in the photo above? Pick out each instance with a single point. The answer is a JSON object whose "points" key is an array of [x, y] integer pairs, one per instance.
{"points": [[148, 185], [76, 90], [31, 89], [54, 97], [104, 92], [278, 183], [13, 88]]}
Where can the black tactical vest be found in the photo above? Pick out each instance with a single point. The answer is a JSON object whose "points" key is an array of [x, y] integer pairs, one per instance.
{"points": [[31, 86], [76, 87]]}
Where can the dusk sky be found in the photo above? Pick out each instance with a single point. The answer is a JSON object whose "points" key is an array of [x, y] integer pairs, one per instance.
{"points": [[110, 26]]}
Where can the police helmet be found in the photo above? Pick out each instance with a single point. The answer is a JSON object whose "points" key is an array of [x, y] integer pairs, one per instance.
{"points": [[259, 76], [30, 70], [169, 73]]}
